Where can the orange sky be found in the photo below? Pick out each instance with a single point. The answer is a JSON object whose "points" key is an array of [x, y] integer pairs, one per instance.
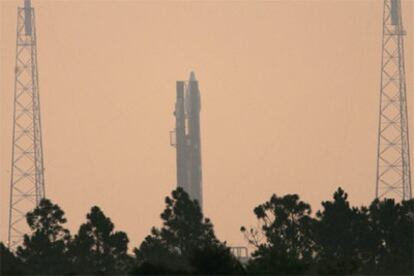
{"points": [[290, 94]]}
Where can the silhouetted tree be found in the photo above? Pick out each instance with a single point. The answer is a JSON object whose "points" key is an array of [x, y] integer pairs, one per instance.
{"points": [[97, 248], [341, 240], [9, 263], [393, 232], [342, 234], [146, 268], [155, 256], [184, 234], [215, 260], [44, 250], [283, 241]]}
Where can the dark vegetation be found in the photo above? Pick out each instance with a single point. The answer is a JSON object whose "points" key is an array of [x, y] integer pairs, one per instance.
{"points": [[337, 240]]}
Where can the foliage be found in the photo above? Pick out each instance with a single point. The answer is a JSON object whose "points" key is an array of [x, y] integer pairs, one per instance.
{"points": [[9, 263], [393, 233], [339, 240], [343, 235], [97, 248], [215, 260], [184, 236], [44, 250], [283, 240]]}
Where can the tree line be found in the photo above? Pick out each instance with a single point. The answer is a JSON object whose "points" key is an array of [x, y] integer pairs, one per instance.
{"points": [[288, 239]]}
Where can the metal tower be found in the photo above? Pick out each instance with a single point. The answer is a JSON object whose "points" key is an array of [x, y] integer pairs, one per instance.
{"points": [[393, 159], [187, 138], [27, 179]]}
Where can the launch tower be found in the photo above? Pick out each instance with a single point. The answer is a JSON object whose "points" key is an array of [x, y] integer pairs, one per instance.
{"points": [[393, 158], [27, 185]]}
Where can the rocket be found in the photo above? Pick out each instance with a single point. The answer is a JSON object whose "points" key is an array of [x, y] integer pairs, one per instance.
{"points": [[187, 138]]}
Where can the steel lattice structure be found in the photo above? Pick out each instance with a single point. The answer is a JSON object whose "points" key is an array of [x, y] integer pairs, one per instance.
{"points": [[393, 156], [27, 186]]}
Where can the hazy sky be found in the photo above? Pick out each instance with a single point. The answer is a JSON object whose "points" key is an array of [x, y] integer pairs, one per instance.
{"points": [[289, 90]]}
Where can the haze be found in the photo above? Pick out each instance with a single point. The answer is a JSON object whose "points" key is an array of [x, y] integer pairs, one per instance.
{"points": [[289, 91]]}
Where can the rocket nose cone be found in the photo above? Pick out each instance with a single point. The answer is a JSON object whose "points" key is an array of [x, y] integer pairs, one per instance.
{"points": [[192, 76], [27, 4]]}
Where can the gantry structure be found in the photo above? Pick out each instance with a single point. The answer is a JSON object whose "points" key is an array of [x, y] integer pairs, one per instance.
{"points": [[27, 183], [393, 154]]}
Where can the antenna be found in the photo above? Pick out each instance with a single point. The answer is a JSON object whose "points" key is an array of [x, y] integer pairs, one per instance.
{"points": [[28, 17]]}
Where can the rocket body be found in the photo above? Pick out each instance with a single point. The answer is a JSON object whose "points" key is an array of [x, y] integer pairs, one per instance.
{"points": [[188, 140]]}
